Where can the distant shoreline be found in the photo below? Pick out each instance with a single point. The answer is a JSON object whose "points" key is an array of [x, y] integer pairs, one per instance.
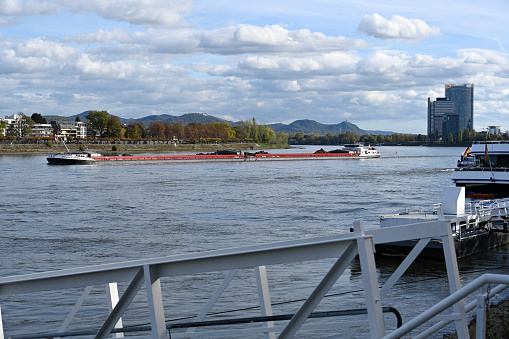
{"points": [[42, 148]]}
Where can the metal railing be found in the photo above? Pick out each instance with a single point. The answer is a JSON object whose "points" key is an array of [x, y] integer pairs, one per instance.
{"points": [[342, 248], [474, 287]]}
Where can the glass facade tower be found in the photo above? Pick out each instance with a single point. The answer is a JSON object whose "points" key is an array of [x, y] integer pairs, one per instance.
{"points": [[457, 108], [463, 98]]}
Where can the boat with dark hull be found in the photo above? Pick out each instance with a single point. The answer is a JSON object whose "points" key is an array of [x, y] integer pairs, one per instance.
{"points": [[476, 225], [72, 158]]}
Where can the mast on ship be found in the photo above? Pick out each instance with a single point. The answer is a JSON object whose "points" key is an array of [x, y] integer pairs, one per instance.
{"points": [[56, 139]]}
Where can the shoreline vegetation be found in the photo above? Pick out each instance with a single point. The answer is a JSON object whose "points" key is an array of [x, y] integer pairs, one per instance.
{"points": [[45, 147]]}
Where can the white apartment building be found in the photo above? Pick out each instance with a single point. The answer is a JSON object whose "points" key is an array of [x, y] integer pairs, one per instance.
{"points": [[16, 124], [41, 130]]}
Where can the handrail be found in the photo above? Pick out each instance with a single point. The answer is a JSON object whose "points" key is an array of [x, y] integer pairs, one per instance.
{"points": [[463, 292]]}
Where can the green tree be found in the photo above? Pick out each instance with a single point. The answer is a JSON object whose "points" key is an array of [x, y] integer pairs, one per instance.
{"points": [[3, 126], [113, 128], [460, 136], [348, 137], [135, 131], [78, 119], [282, 139], [39, 119], [98, 121], [23, 126]]}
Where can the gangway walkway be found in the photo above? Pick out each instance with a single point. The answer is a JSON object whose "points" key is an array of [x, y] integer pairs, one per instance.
{"points": [[343, 248]]}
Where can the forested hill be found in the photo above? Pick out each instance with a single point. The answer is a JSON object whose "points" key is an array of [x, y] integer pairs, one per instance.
{"points": [[315, 128], [185, 119]]}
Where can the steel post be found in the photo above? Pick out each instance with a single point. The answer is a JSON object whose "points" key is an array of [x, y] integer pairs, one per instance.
{"points": [[264, 296], [112, 296], [480, 329], [366, 248], [155, 302]]}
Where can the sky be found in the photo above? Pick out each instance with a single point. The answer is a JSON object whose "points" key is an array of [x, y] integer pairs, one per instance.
{"points": [[372, 63]]}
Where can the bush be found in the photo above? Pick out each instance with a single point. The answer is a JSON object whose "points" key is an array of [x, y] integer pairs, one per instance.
{"points": [[82, 148], [49, 143], [114, 148]]}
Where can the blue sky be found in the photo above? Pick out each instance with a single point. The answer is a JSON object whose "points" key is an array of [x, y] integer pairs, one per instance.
{"points": [[373, 63]]}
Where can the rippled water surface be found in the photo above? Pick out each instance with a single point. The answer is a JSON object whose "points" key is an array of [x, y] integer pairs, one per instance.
{"points": [[56, 217]]}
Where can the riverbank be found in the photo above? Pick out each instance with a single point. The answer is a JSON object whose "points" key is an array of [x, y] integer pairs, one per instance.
{"points": [[123, 147]]}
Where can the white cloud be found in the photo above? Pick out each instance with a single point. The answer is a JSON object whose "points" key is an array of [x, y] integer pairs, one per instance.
{"points": [[397, 27], [374, 98], [40, 48], [20, 7], [273, 39], [241, 39], [139, 12], [381, 63]]}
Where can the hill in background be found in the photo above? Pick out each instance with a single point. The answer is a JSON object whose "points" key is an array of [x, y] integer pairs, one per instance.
{"points": [[313, 127], [309, 127]]}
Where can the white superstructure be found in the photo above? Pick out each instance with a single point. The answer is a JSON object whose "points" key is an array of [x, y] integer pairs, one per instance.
{"points": [[484, 170], [360, 150]]}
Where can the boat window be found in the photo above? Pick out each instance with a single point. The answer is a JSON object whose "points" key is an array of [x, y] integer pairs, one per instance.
{"points": [[503, 160], [493, 160]]}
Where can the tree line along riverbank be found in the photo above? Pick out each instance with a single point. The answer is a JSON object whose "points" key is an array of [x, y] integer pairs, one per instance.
{"points": [[122, 146]]}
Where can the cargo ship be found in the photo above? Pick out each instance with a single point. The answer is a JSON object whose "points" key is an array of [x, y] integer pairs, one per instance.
{"points": [[352, 151]]}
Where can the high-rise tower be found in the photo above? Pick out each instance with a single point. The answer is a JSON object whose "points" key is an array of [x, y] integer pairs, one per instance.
{"points": [[463, 98], [456, 109]]}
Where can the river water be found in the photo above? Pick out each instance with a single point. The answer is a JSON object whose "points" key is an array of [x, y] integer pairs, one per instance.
{"points": [[57, 217]]}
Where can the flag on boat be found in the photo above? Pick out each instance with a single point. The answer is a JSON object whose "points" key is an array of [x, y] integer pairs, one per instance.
{"points": [[486, 157], [466, 151]]}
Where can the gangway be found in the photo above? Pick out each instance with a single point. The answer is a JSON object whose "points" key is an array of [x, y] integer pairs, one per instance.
{"points": [[343, 248]]}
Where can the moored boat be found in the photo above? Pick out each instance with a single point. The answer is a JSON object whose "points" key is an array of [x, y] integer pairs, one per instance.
{"points": [[476, 225], [484, 170]]}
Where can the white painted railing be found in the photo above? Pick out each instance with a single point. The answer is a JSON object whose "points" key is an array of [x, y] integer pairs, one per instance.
{"points": [[474, 287], [344, 248]]}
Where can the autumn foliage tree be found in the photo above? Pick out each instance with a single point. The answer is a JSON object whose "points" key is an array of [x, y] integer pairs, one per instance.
{"points": [[157, 130]]}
